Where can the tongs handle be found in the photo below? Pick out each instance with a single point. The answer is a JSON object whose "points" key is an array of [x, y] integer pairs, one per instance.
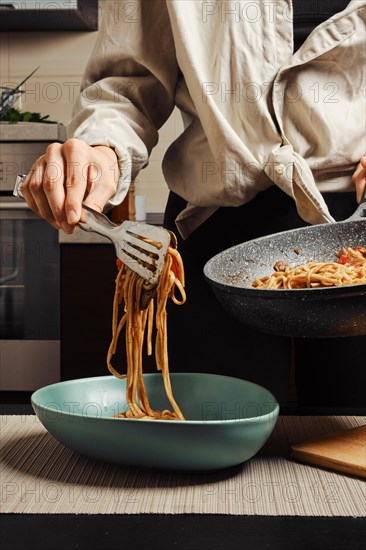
{"points": [[18, 182], [93, 220], [360, 212]]}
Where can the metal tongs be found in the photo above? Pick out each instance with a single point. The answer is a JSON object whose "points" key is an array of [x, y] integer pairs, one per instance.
{"points": [[140, 246]]}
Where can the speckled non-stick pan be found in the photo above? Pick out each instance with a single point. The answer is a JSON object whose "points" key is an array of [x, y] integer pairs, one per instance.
{"points": [[313, 312]]}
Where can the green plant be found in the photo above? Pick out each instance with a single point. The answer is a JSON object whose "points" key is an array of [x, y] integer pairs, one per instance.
{"points": [[14, 115]]}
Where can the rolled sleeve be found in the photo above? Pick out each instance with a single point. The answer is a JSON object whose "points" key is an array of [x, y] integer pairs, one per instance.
{"points": [[128, 87]]}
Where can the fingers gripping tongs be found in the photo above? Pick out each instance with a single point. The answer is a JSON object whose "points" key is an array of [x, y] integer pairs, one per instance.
{"points": [[141, 247]]}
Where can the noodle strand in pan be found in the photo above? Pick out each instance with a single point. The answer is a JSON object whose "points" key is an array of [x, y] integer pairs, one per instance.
{"points": [[350, 269]]}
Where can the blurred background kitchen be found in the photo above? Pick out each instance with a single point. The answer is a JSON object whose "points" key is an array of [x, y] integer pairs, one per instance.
{"points": [[56, 291]]}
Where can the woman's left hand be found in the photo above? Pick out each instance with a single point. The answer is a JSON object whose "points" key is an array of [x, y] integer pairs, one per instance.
{"points": [[359, 178]]}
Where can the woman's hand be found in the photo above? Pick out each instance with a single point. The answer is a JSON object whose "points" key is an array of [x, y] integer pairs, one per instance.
{"points": [[359, 178], [65, 176]]}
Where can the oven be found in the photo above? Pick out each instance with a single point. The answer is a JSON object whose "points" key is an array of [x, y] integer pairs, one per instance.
{"points": [[29, 296]]}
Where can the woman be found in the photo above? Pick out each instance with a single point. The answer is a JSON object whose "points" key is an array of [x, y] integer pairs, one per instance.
{"points": [[271, 99]]}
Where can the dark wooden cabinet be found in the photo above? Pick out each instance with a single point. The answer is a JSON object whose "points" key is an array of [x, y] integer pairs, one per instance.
{"points": [[88, 273]]}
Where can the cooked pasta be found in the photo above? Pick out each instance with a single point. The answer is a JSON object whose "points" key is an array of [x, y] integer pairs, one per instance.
{"points": [[350, 269], [137, 321]]}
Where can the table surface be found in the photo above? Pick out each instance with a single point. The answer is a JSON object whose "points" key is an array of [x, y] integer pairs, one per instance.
{"points": [[181, 531]]}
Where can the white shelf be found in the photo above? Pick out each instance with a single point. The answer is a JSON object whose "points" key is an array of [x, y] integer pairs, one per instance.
{"points": [[31, 131], [42, 15]]}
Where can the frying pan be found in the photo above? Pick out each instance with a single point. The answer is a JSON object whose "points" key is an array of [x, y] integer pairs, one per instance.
{"points": [[310, 313]]}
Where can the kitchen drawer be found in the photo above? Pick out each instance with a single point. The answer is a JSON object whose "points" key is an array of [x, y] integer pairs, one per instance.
{"points": [[27, 365]]}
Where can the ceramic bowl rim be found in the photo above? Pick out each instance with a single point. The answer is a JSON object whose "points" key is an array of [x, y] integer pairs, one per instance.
{"points": [[272, 415]]}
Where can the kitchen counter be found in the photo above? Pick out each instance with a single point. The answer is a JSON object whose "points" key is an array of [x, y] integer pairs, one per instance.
{"points": [[182, 531], [82, 237]]}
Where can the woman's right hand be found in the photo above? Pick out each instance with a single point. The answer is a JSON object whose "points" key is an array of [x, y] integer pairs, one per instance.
{"points": [[65, 176]]}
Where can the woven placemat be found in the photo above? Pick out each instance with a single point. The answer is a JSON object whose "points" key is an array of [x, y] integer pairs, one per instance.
{"points": [[41, 476]]}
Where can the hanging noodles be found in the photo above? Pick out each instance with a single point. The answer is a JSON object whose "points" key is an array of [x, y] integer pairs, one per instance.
{"points": [[350, 269], [137, 322]]}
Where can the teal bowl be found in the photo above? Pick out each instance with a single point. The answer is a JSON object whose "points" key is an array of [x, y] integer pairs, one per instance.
{"points": [[228, 420]]}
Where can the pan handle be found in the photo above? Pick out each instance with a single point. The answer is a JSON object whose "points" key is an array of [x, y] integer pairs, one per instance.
{"points": [[360, 213]]}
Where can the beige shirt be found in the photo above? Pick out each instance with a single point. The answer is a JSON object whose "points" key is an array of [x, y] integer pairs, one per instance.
{"points": [[255, 113]]}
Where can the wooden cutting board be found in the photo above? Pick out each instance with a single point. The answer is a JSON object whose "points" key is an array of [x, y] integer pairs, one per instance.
{"points": [[343, 451]]}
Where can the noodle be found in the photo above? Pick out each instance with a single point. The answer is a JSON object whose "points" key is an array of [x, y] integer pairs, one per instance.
{"points": [[137, 322], [350, 269]]}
